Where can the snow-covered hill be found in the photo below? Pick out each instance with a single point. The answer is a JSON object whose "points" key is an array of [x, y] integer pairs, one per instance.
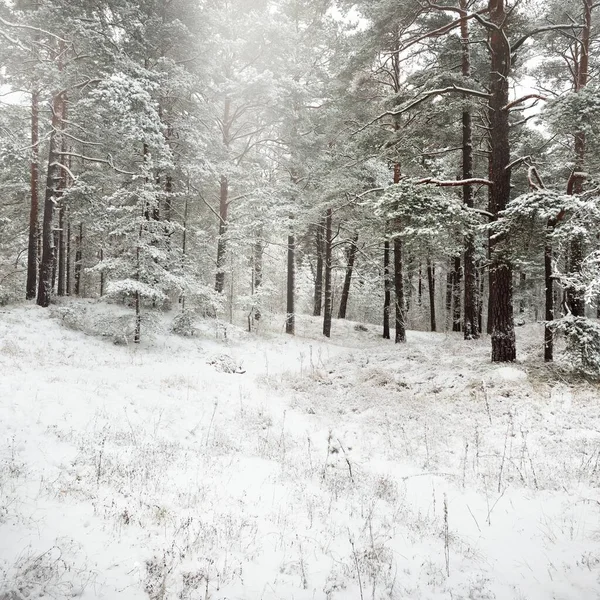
{"points": [[269, 467]]}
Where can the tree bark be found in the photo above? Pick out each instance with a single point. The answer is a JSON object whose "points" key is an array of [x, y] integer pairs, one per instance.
{"points": [[575, 297], [549, 312], [79, 261], [501, 278], [351, 255], [456, 296], [222, 242], [328, 308], [387, 290], [53, 180], [400, 313], [257, 270], [471, 327], [318, 297], [32, 254], [431, 282], [290, 321], [68, 282]]}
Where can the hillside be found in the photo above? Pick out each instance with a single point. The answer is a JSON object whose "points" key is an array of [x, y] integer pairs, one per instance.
{"points": [[237, 466]]}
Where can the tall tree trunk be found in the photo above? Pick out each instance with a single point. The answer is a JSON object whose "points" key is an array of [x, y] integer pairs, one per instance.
{"points": [[328, 308], [549, 312], [387, 289], [102, 275], [257, 269], [62, 216], [449, 291], [62, 250], [68, 282], [399, 277], [351, 255], [32, 254], [456, 312], [290, 321], [471, 326], [318, 297], [431, 282], [52, 190], [575, 297], [501, 276], [222, 242], [79, 261]]}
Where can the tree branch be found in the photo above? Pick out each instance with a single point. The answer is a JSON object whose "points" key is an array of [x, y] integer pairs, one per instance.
{"points": [[523, 99]]}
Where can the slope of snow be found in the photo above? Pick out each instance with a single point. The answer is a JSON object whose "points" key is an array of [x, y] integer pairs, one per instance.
{"points": [[347, 468]]}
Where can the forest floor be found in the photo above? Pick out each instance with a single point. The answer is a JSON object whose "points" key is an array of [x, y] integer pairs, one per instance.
{"points": [[348, 468]]}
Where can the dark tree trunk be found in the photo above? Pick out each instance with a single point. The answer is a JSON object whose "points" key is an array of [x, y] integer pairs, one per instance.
{"points": [[549, 313], [222, 241], [420, 287], [449, 290], [431, 282], [328, 308], [399, 275], [501, 283], [456, 296], [102, 274], [318, 298], [351, 255], [62, 250], [575, 297], [399, 289], [168, 198], [290, 321], [52, 189], [257, 269], [62, 218], [32, 254], [471, 326], [79, 261], [387, 290], [68, 260], [56, 235]]}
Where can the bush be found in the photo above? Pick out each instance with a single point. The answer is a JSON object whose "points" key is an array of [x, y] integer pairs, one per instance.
{"points": [[583, 343], [183, 324]]}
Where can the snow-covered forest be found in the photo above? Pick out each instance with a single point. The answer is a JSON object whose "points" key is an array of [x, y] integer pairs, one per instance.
{"points": [[299, 299]]}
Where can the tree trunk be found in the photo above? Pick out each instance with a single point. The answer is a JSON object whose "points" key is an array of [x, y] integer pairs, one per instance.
{"points": [[257, 270], [52, 189], [290, 321], [549, 313], [449, 291], [501, 284], [575, 297], [32, 254], [79, 261], [62, 250], [328, 308], [470, 319], [102, 274], [318, 298], [351, 255], [222, 242], [431, 282], [387, 290], [456, 296], [68, 282], [399, 289]]}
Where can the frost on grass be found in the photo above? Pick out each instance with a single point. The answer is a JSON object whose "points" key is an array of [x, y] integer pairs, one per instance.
{"points": [[327, 471]]}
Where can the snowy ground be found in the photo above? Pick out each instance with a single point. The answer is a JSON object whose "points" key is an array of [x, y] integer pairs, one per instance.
{"points": [[344, 469]]}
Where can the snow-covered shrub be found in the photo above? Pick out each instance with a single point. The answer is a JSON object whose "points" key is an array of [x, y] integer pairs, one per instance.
{"points": [[583, 343], [225, 364], [183, 324]]}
